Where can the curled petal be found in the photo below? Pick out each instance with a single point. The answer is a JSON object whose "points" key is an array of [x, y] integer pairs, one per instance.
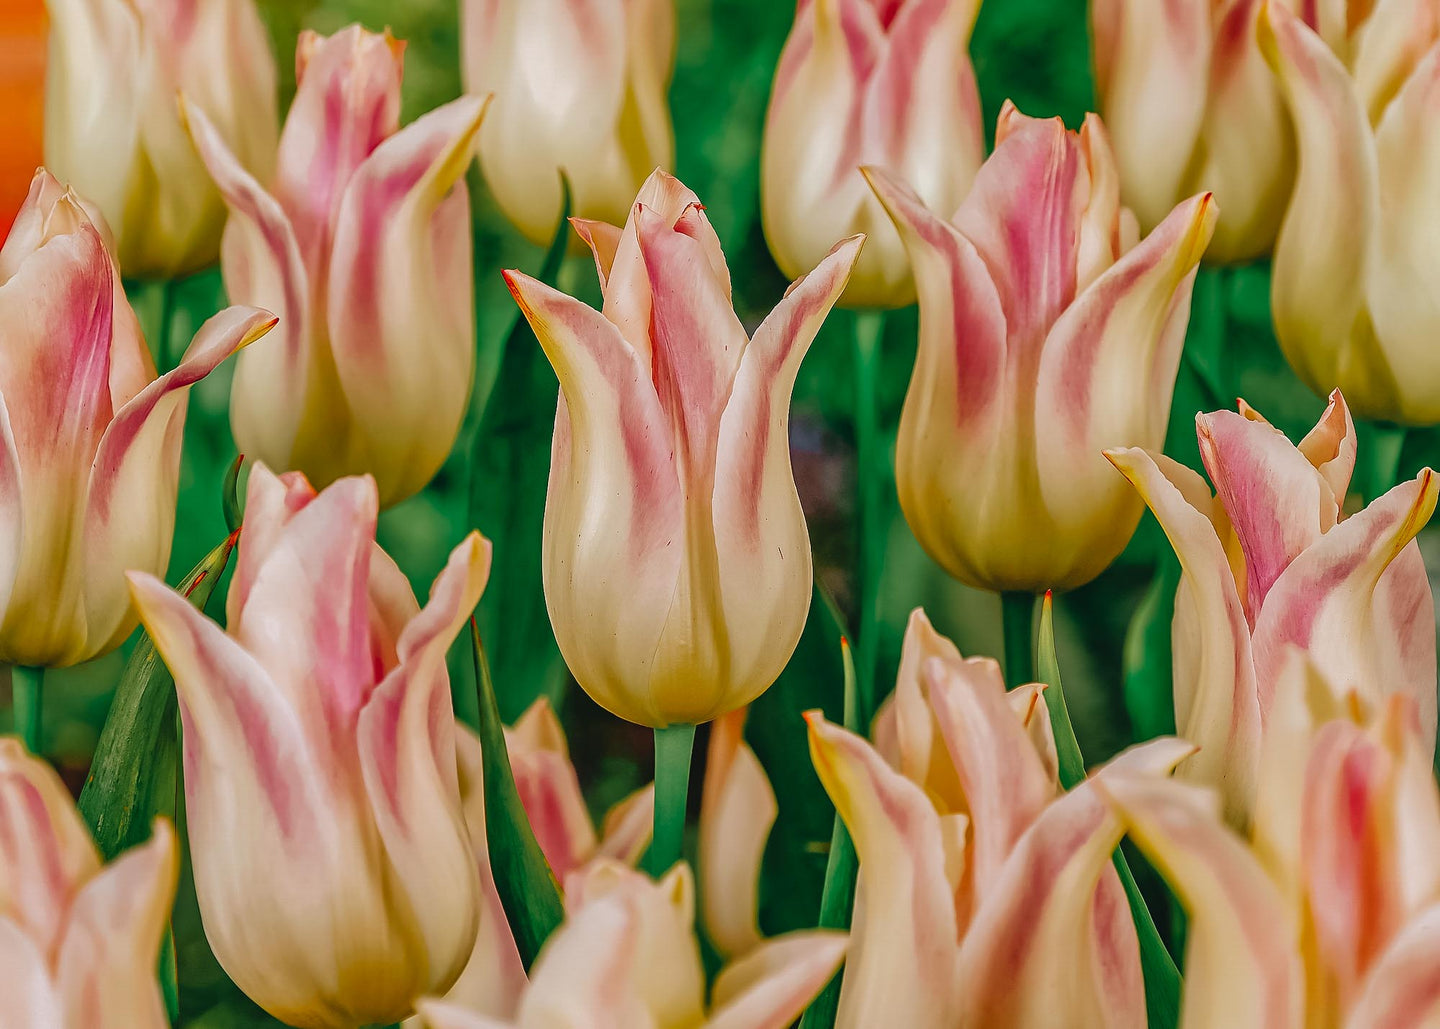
{"points": [[1330, 447]]}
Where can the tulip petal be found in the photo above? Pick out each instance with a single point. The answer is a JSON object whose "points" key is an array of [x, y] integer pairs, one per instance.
{"points": [[603, 239], [628, 826], [550, 790], [771, 985], [922, 755], [1403, 990], [112, 942], [1330, 447], [31, 998], [901, 965], [400, 270], [130, 509], [440, 1014], [1241, 967], [737, 809]]}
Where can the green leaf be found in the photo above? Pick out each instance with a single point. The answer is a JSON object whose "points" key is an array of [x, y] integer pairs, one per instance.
{"points": [[1149, 688], [230, 495], [510, 469], [1162, 978], [523, 878]]}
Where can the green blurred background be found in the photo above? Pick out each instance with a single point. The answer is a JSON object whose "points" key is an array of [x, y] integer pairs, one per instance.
{"points": [[1035, 52]]}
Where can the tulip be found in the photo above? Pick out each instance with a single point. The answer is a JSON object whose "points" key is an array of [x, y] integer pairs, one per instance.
{"points": [[319, 742], [676, 561], [877, 82], [113, 130], [362, 246], [90, 437], [1273, 561], [494, 980], [1357, 263], [1046, 334], [627, 956], [1191, 105], [580, 87], [79, 943], [986, 897]]}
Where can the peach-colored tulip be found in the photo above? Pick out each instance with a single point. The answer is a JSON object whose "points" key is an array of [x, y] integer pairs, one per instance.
{"points": [[79, 943], [580, 87], [986, 897], [676, 558], [1191, 105], [1357, 263], [494, 980], [1046, 334], [319, 741], [362, 246], [89, 436], [868, 82], [627, 957], [1272, 560], [113, 130]]}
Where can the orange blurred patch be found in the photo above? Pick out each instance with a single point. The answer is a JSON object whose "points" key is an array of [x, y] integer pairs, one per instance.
{"points": [[22, 84]]}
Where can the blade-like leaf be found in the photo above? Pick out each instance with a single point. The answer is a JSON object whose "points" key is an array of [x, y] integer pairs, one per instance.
{"points": [[527, 886], [230, 494], [509, 472], [1162, 978]]}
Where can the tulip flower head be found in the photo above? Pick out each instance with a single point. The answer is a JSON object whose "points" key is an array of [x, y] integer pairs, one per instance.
{"points": [[627, 956], [1192, 106], [1357, 264], [580, 87], [1046, 334], [868, 82], [676, 560], [79, 943], [90, 446], [1271, 561], [361, 244], [319, 741], [112, 128]]}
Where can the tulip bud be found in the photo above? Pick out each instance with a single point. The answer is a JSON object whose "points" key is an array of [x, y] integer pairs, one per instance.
{"points": [[1046, 334], [627, 956], [868, 82], [676, 560], [1357, 264], [89, 439], [362, 247], [319, 740], [113, 130], [1271, 562], [1191, 106], [580, 87], [79, 944]]}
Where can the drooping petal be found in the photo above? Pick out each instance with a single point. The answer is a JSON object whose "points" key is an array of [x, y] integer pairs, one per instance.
{"points": [[770, 986]]}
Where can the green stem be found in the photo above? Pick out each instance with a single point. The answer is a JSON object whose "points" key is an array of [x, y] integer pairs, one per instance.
{"points": [[1387, 441], [27, 686], [870, 476], [673, 745], [1017, 616]]}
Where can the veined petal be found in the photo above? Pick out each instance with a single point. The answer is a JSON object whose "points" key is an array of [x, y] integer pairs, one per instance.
{"points": [[737, 809], [400, 272], [1403, 990], [901, 967], [771, 985]]}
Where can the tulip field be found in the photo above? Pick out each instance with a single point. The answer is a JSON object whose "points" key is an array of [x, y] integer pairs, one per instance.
{"points": [[662, 514]]}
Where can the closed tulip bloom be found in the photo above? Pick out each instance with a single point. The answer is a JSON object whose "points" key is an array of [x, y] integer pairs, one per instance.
{"points": [[1191, 106], [362, 246], [319, 739], [1047, 333], [580, 87], [676, 560], [868, 82], [1357, 264], [90, 437], [79, 942], [113, 130], [1272, 561], [627, 956]]}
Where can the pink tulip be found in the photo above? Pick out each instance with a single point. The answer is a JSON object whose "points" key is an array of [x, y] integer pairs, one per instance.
{"points": [[1272, 561], [89, 436], [676, 559], [1047, 333], [361, 243], [334, 871], [868, 82], [79, 943]]}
